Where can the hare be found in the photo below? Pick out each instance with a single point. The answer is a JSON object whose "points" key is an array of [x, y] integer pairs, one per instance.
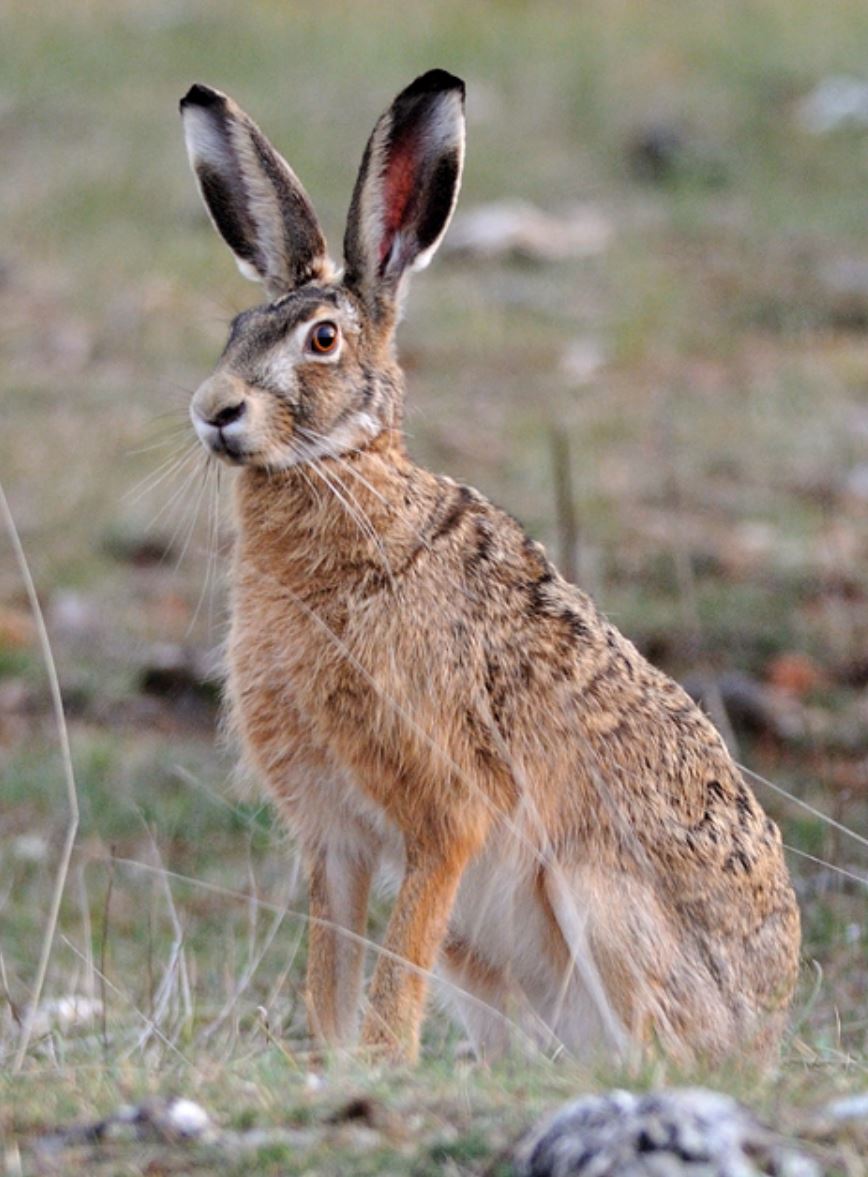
{"points": [[574, 852]]}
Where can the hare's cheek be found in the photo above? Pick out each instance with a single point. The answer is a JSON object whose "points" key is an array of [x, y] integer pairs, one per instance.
{"points": [[324, 397], [271, 421]]}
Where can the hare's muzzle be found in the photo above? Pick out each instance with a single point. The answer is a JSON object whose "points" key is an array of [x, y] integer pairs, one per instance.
{"points": [[218, 413]]}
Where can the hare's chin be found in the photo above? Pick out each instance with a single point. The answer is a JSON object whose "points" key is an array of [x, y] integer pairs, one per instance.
{"points": [[230, 455]]}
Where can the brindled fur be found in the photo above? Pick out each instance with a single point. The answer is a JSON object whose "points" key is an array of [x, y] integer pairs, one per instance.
{"points": [[574, 850]]}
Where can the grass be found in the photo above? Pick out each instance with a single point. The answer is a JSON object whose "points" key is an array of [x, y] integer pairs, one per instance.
{"points": [[710, 460]]}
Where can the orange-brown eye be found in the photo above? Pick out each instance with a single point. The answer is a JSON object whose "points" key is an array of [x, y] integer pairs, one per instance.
{"points": [[323, 338]]}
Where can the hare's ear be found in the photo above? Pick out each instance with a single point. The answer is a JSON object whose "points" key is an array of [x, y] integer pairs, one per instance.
{"points": [[252, 194], [407, 187]]}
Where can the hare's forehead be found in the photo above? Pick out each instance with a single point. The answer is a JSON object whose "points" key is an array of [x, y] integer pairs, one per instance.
{"points": [[263, 327]]}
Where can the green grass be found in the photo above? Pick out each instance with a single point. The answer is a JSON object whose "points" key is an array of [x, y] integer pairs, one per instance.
{"points": [[716, 439]]}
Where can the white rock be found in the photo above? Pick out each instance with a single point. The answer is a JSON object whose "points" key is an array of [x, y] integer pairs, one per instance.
{"points": [[837, 101], [187, 1118], [582, 360], [677, 1133], [73, 613], [857, 482], [71, 1012], [30, 848], [849, 1107]]}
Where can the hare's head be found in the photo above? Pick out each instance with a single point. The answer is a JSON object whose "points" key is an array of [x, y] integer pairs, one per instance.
{"points": [[312, 371]]}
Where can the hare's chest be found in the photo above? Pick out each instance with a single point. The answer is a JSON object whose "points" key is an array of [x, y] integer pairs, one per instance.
{"points": [[291, 682], [273, 661]]}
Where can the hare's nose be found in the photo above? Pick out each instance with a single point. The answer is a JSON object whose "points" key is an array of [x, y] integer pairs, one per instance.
{"points": [[227, 415]]}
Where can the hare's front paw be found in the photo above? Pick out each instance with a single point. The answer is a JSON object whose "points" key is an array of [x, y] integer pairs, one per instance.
{"points": [[381, 1043]]}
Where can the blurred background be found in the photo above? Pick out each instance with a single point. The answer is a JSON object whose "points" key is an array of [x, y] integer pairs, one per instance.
{"points": [[646, 335]]}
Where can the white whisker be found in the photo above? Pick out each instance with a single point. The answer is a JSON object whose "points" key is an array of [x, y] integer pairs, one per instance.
{"points": [[356, 513], [172, 438], [193, 517], [189, 476], [164, 470], [212, 553]]}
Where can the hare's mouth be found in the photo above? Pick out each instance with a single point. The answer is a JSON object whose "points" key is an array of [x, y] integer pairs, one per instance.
{"points": [[230, 450], [224, 441]]}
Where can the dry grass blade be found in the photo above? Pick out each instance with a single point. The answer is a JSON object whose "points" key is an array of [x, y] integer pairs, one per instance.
{"points": [[305, 918], [862, 880], [565, 503], [149, 1022], [818, 813], [69, 775]]}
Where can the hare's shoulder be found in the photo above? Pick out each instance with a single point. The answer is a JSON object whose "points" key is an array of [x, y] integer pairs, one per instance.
{"points": [[552, 663]]}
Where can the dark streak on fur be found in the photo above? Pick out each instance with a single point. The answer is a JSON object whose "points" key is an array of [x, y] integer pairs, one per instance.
{"points": [[743, 805], [735, 861], [715, 789], [461, 503], [495, 690], [577, 627], [369, 387], [482, 549]]}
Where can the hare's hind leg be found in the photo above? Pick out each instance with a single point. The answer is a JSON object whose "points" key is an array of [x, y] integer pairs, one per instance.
{"points": [[479, 993], [577, 1002], [629, 981], [338, 886]]}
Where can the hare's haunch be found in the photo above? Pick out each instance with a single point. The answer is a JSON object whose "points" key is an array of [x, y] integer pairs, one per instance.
{"points": [[574, 851]]}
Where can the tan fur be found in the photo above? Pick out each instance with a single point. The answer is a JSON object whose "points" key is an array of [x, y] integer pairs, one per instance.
{"points": [[420, 691]]}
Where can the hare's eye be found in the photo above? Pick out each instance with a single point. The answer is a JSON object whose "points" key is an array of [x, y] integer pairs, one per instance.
{"points": [[323, 338]]}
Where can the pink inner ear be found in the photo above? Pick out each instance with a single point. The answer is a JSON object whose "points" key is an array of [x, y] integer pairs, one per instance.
{"points": [[398, 190]]}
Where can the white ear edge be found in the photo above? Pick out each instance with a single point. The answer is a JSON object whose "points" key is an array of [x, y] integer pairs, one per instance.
{"points": [[202, 139], [253, 197], [204, 144], [247, 270]]}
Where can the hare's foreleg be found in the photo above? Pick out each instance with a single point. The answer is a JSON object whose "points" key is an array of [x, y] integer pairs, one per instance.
{"points": [[413, 938], [338, 887]]}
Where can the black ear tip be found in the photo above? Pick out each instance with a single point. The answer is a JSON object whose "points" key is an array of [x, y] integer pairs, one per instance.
{"points": [[199, 95], [435, 81]]}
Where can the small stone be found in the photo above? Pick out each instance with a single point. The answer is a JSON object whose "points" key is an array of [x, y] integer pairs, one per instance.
{"points": [[849, 1107], [174, 671], [187, 1118], [856, 483], [837, 102], [74, 614], [582, 360], [30, 848], [71, 1012], [16, 628], [795, 673], [678, 1133]]}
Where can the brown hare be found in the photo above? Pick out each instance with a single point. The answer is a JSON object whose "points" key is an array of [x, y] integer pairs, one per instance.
{"points": [[574, 852]]}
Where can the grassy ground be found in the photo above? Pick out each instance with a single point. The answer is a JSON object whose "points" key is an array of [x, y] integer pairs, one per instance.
{"points": [[715, 445]]}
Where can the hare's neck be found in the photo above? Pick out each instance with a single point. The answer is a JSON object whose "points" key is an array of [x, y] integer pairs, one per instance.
{"points": [[333, 519]]}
